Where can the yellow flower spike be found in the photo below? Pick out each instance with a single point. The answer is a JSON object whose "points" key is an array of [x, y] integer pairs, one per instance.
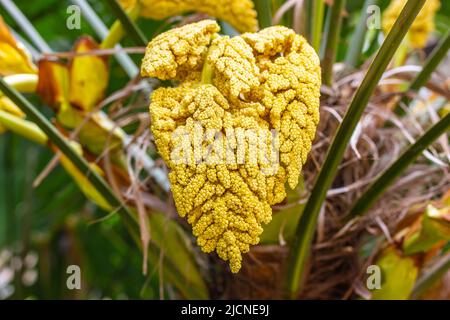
{"points": [[175, 54], [238, 13], [14, 58], [88, 76], [240, 101], [234, 66], [422, 26]]}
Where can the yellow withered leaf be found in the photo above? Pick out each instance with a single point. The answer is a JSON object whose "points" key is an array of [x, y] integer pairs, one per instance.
{"points": [[14, 58], [398, 275], [53, 84], [88, 75], [72, 94], [433, 228]]}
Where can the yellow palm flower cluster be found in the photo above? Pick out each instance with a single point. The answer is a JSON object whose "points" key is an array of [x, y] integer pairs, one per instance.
{"points": [[239, 13], [237, 127], [422, 26]]}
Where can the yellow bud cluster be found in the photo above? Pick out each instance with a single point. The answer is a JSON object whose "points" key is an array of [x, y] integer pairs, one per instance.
{"points": [[175, 55], [238, 13], [240, 101]]}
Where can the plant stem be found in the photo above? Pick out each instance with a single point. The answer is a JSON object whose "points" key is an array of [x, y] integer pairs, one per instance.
{"points": [[388, 176], [286, 20], [435, 58], [359, 35], [263, 7], [207, 70], [308, 9], [317, 23], [117, 32], [102, 31], [305, 229], [60, 142], [128, 24], [334, 22]]}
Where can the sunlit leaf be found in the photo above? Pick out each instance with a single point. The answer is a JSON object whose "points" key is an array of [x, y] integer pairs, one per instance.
{"points": [[433, 228], [398, 275], [88, 76], [14, 58]]}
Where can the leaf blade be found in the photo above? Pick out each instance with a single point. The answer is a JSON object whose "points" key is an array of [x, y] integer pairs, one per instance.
{"points": [[306, 226]]}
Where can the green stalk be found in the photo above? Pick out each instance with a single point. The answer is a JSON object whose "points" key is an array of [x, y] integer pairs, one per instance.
{"points": [[431, 277], [286, 20], [435, 58], [389, 175], [359, 35], [308, 9], [263, 7], [306, 226], [128, 24], [207, 70], [117, 31], [60, 142], [102, 31], [334, 22], [317, 23]]}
